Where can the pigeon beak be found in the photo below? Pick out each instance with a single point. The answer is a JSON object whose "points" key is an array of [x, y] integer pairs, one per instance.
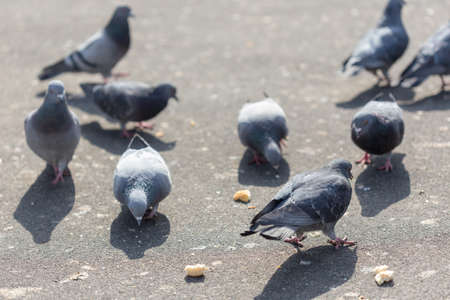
{"points": [[351, 175], [176, 98], [139, 220]]}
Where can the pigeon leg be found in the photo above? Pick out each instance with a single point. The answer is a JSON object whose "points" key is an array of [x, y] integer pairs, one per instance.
{"points": [[125, 133], [365, 159], [387, 166], [59, 177], [442, 83], [150, 213], [386, 77], [375, 73], [283, 142], [143, 125], [295, 241], [257, 159], [341, 242]]}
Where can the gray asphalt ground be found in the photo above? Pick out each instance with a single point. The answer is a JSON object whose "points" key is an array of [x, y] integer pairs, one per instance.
{"points": [[220, 54]]}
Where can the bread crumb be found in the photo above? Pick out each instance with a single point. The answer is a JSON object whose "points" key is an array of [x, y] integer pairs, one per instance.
{"points": [[252, 207], [243, 196], [195, 270], [159, 134], [384, 276], [379, 269]]}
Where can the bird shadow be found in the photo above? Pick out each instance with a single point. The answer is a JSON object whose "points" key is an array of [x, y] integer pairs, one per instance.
{"points": [[45, 205], [399, 92], [190, 279], [262, 175], [133, 239], [298, 281], [440, 101], [377, 190], [111, 141]]}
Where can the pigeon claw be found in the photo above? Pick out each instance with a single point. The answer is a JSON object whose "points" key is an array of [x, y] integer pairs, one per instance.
{"points": [[365, 160], [149, 214], [58, 178], [337, 243]]}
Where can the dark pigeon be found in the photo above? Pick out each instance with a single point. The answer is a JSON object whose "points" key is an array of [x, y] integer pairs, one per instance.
{"points": [[313, 200], [433, 59], [100, 53], [53, 131], [262, 127], [378, 128], [141, 181], [132, 101], [380, 48]]}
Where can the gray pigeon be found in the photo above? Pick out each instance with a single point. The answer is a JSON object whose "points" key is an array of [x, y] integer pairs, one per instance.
{"points": [[432, 59], [133, 101], [380, 47], [378, 128], [262, 127], [100, 53], [141, 181], [53, 131], [313, 200]]}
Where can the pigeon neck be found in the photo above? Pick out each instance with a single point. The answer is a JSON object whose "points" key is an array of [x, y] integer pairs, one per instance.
{"points": [[53, 116], [119, 30]]}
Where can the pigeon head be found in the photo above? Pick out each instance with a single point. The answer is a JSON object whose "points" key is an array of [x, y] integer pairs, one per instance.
{"points": [[55, 92], [123, 11], [343, 166], [394, 8], [137, 203], [273, 154], [166, 91], [363, 126]]}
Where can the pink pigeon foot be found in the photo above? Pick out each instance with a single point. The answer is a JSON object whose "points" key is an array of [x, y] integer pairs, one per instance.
{"points": [[125, 134], [296, 241], [58, 178], [341, 242], [387, 166], [257, 159], [365, 159], [143, 125]]}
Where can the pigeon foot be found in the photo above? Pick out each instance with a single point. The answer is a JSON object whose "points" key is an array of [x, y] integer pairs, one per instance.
{"points": [[387, 166], [337, 243], [149, 214], [143, 125], [58, 178], [257, 159], [365, 159], [295, 241], [125, 134]]}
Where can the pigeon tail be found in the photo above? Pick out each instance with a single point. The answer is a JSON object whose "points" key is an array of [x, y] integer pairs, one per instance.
{"points": [[54, 70], [248, 232], [278, 233]]}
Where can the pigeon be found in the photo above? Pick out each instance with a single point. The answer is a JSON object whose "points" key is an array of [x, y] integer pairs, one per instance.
{"points": [[125, 101], [141, 181], [262, 127], [53, 131], [380, 47], [433, 59], [313, 200], [100, 53], [378, 128]]}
